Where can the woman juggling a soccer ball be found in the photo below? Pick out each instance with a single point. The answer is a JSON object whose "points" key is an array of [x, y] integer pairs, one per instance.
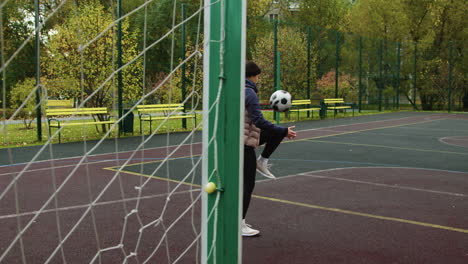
{"points": [[257, 131]]}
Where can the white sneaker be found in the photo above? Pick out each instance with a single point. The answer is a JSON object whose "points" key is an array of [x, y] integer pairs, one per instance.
{"points": [[247, 230], [262, 168]]}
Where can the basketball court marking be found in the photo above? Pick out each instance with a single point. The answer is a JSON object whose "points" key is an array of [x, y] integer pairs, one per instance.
{"points": [[330, 209], [197, 143], [384, 185], [352, 132], [336, 210], [441, 140], [84, 206], [151, 176], [313, 138], [391, 134], [380, 121], [390, 147]]}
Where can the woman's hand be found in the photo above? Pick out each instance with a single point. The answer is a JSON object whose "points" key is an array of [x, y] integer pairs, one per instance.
{"points": [[291, 132]]}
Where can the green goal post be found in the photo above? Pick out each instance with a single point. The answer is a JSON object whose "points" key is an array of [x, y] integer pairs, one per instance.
{"points": [[223, 104]]}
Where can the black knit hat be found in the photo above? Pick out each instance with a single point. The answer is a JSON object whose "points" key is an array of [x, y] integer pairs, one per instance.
{"points": [[252, 69]]}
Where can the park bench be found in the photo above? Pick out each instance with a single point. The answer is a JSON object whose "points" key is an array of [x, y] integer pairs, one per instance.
{"points": [[155, 112], [336, 104], [53, 103], [303, 105], [52, 115]]}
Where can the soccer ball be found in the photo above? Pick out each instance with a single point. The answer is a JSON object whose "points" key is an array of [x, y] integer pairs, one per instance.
{"points": [[280, 101]]}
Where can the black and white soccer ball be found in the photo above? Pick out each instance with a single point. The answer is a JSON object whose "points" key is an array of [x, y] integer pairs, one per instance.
{"points": [[280, 101]]}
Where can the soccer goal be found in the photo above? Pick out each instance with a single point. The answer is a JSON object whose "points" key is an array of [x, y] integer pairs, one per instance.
{"points": [[121, 131]]}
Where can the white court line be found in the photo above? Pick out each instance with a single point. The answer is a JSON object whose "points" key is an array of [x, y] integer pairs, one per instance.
{"points": [[386, 134], [385, 185], [372, 122], [155, 148], [441, 140], [378, 167], [435, 129], [57, 167], [96, 155], [370, 167], [195, 143], [96, 204]]}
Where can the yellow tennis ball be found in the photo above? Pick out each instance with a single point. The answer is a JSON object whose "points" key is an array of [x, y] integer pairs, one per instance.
{"points": [[210, 187]]}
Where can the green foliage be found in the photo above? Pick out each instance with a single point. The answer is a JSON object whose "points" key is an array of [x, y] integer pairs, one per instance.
{"points": [[292, 45], [15, 31], [432, 24], [159, 19], [171, 91], [330, 14], [19, 94], [72, 73], [347, 86], [377, 18]]}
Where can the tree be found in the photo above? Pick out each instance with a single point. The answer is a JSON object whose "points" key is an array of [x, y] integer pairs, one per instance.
{"points": [[257, 25], [377, 19], [292, 47], [159, 20], [347, 86], [71, 73], [432, 24], [171, 90], [19, 94], [16, 29], [330, 14]]}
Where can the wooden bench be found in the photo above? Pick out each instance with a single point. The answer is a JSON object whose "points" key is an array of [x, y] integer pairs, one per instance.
{"points": [[56, 123], [154, 112], [303, 105], [336, 104]]}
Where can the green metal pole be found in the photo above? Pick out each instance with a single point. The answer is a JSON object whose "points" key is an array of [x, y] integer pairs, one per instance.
{"points": [[360, 74], [119, 64], [184, 121], [337, 62], [415, 73], [38, 72], [398, 76], [308, 65], [380, 74], [224, 67], [450, 77], [275, 52], [278, 82]]}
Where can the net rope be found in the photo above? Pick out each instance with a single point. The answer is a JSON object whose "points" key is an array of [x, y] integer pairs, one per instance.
{"points": [[55, 203]]}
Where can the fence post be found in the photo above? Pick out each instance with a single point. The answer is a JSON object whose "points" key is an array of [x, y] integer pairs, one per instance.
{"points": [[308, 65], [415, 73], [380, 74], [360, 75], [337, 62], [184, 66], [275, 53], [278, 83], [398, 76], [450, 77], [119, 64], [38, 72]]}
